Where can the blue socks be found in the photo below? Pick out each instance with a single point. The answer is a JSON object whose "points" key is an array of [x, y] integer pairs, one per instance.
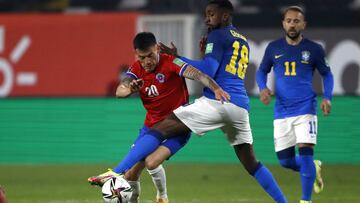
{"points": [[144, 146], [288, 159], [307, 172], [304, 163], [268, 183], [291, 163]]}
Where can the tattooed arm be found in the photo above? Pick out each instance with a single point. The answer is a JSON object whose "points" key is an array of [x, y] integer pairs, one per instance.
{"points": [[194, 74], [128, 86]]}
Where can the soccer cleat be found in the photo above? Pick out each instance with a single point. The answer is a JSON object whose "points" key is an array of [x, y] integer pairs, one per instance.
{"points": [[303, 201], [318, 184], [160, 200], [102, 178]]}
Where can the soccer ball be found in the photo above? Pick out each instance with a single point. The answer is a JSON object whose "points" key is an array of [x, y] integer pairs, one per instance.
{"points": [[116, 190]]}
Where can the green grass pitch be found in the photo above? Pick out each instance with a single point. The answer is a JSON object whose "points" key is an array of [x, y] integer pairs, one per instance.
{"points": [[187, 183]]}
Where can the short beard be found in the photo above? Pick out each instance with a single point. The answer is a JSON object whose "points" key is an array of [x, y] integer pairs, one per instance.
{"points": [[294, 37]]}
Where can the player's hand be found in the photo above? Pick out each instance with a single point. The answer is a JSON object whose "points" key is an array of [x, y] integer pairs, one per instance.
{"points": [[135, 85], [325, 107], [265, 96], [221, 95], [172, 50], [202, 46]]}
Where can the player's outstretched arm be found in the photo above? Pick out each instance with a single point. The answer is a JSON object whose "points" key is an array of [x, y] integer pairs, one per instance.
{"points": [[128, 86], [194, 74]]}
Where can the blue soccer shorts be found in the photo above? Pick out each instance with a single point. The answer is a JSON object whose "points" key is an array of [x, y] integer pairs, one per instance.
{"points": [[174, 144]]}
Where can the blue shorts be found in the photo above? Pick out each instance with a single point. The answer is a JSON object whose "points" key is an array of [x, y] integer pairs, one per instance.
{"points": [[174, 144]]}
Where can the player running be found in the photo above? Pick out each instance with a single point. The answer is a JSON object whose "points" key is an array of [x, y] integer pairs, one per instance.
{"points": [[294, 60]]}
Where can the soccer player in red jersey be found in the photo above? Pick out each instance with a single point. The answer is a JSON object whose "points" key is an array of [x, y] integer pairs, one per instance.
{"points": [[159, 79]]}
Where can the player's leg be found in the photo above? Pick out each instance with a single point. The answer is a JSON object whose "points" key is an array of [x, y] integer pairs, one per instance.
{"points": [[157, 172], [307, 170], [153, 163], [306, 132], [289, 159], [152, 140], [262, 175], [133, 178], [240, 137], [99, 180], [285, 141], [181, 122]]}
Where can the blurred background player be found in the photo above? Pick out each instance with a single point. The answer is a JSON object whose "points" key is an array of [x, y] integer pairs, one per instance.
{"points": [[158, 79], [226, 59], [2, 195], [294, 60]]}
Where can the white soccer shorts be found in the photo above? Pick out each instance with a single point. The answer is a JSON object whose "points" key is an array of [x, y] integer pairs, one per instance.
{"points": [[294, 130], [207, 114]]}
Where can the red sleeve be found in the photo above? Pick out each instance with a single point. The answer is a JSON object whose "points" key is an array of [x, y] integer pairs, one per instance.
{"points": [[134, 71], [177, 65]]}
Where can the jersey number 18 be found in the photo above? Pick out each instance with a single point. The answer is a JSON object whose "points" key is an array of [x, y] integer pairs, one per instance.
{"points": [[242, 63]]}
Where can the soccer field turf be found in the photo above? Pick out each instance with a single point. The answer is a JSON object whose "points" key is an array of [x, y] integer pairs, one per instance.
{"points": [[187, 183]]}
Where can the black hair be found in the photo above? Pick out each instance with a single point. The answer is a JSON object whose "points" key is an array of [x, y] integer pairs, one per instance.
{"points": [[144, 40], [294, 8], [223, 4]]}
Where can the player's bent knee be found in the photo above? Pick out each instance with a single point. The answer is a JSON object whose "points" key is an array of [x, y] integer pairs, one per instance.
{"points": [[151, 164], [157, 158], [287, 163]]}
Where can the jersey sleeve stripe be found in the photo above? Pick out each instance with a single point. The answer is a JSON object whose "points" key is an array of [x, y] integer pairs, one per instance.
{"points": [[131, 75], [183, 68]]}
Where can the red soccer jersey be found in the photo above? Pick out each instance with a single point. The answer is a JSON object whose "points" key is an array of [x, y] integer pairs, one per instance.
{"points": [[164, 89]]}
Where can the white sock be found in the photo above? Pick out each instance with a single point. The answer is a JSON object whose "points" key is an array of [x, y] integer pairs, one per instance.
{"points": [[159, 178], [135, 197]]}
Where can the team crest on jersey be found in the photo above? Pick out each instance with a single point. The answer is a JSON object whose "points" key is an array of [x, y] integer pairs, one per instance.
{"points": [[178, 62], [305, 57], [160, 77], [209, 48]]}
